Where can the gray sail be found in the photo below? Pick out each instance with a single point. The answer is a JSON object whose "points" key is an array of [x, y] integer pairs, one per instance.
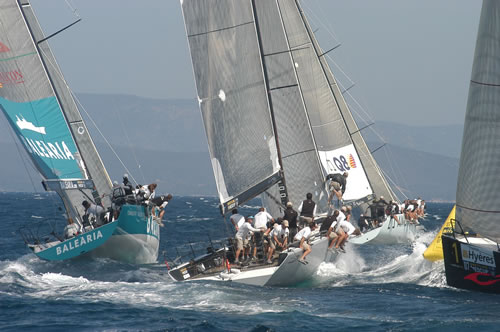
{"points": [[88, 153], [325, 136], [478, 201], [233, 97], [301, 166], [333, 141]]}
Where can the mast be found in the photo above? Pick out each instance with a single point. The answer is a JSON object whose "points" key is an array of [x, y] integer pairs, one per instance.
{"points": [[283, 194]]}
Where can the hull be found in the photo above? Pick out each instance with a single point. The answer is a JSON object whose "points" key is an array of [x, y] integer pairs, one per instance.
{"points": [[288, 273], [133, 238], [389, 233], [472, 265], [136, 239], [76, 246]]}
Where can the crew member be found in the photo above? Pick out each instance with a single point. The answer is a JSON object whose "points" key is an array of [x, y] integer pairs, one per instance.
{"points": [[307, 210], [242, 234], [338, 184], [160, 203], [303, 236], [291, 215]]}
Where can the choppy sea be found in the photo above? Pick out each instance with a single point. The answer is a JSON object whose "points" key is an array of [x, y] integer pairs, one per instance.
{"points": [[372, 288]]}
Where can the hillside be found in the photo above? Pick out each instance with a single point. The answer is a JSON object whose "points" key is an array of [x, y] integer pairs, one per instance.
{"points": [[167, 139]]}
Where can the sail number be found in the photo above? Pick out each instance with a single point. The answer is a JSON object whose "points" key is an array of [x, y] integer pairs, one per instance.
{"points": [[341, 163], [454, 246]]}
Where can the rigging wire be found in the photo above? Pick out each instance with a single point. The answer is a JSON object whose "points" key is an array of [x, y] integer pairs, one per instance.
{"points": [[80, 106], [72, 8], [128, 141], [364, 116]]}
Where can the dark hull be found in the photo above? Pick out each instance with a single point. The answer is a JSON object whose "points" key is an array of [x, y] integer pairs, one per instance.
{"points": [[471, 267]]}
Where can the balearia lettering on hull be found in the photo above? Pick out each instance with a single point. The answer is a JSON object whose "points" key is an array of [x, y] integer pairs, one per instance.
{"points": [[78, 242]]}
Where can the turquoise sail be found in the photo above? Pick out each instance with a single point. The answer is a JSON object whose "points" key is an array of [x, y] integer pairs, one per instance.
{"points": [[41, 128]]}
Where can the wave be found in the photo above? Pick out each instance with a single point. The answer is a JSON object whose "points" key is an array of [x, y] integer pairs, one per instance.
{"points": [[384, 264]]}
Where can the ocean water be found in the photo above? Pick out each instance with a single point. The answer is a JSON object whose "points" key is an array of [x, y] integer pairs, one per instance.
{"points": [[372, 288]]}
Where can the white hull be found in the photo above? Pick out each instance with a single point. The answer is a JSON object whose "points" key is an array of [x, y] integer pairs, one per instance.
{"points": [[290, 272], [129, 248], [389, 233]]}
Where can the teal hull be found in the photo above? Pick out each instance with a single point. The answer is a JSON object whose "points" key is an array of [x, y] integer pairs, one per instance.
{"points": [[133, 238], [78, 245]]}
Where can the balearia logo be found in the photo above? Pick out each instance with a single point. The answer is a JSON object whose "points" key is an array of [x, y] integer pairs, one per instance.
{"points": [[471, 254], [42, 148], [78, 242], [486, 279], [3, 48], [26, 125], [11, 77]]}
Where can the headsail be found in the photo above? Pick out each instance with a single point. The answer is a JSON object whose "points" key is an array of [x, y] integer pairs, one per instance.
{"points": [[333, 142], [233, 97], [339, 140], [40, 109], [478, 201]]}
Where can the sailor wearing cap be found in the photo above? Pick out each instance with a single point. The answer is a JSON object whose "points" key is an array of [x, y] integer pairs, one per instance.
{"points": [[242, 234]]}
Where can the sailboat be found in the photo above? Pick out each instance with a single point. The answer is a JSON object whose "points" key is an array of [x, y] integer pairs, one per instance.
{"points": [[40, 108], [471, 251], [276, 125]]}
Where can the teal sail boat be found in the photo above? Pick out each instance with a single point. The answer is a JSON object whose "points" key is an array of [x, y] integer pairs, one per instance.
{"points": [[40, 108]]}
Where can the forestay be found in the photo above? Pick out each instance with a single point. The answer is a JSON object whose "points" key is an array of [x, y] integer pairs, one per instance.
{"points": [[478, 201], [233, 97]]}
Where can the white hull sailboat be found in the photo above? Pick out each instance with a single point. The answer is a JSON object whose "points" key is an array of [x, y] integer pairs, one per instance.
{"points": [[392, 231], [276, 124], [288, 271]]}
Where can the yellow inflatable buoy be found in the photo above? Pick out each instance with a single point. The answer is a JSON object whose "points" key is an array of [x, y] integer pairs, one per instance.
{"points": [[435, 250]]}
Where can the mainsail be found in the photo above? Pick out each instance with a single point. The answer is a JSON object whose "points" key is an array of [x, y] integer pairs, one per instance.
{"points": [[39, 107], [478, 178], [233, 97], [282, 63]]}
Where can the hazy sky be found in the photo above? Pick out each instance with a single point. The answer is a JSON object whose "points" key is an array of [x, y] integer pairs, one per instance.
{"points": [[410, 60]]}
